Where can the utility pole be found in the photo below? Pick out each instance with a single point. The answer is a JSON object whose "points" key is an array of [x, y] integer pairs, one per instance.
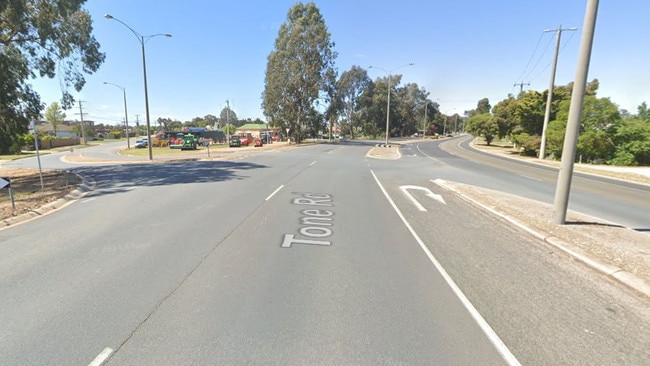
{"points": [[81, 114], [424, 125], [549, 99], [137, 126], [228, 118], [575, 115], [521, 86]]}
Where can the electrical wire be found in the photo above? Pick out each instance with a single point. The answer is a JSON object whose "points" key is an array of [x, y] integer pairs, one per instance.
{"points": [[539, 59], [531, 57], [565, 43]]}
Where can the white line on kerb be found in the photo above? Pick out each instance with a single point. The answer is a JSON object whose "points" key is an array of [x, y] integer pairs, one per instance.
{"points": [[102, 357], [489, 332], [274, 192]]}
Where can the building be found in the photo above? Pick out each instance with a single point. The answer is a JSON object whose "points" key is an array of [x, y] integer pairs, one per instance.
{"points": [[255, 129], [64, 129]]}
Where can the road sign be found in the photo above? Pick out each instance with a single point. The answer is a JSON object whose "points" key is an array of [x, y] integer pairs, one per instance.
{"points": [[5, 183]]}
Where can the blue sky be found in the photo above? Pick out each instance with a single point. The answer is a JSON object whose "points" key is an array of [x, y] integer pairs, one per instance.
{"points": [[463, 51]]}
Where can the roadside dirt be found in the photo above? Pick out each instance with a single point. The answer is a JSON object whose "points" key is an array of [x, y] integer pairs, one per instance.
{"points": [[28, 193]]}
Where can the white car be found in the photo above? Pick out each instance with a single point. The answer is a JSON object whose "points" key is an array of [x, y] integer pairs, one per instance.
{"points": [[140, 143]]}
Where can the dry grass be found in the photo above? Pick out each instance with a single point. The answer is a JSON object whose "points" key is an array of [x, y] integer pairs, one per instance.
{"points": [[28, 193]]}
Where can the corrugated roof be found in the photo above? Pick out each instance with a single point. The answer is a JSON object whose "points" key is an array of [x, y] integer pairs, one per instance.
{"points": [[254, 126]]}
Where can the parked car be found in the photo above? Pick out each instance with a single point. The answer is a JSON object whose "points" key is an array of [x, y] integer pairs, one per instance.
{"points": [[235, 141], [245, 141], [258, 143], [142, 143]]}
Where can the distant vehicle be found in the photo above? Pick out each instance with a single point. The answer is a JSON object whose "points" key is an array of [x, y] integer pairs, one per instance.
{"points": [[266, 138], [245, 141], [258, 143], [342, 138], [235, 141], [139, 144]]}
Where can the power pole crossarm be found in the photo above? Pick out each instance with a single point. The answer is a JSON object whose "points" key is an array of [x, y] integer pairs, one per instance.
{"points": [[521, 86]]}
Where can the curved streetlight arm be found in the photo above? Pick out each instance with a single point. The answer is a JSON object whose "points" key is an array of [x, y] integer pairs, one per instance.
{"points": [[142, 39], [137, 35], [147, 38]]}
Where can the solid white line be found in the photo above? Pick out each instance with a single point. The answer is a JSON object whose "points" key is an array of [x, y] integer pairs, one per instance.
{"points": [[274, 192], [489, 332], [427, 155], [89, 199], [102, 357], [312, 163]]}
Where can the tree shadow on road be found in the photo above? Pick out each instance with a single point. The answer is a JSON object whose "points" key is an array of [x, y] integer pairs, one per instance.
{"points": [[119, 178]]}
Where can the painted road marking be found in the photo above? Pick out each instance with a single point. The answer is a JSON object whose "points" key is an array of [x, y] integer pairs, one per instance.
{"points": [[426, 191], [316, 222], [312, 163], [89, 199], [485, 327], [525, 176], [102, 357], [274, 192], [427, 155]]}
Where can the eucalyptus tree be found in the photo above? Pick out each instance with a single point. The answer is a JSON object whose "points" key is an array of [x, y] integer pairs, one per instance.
{"points": [[350, 86], [298, 69], [41, 38]]}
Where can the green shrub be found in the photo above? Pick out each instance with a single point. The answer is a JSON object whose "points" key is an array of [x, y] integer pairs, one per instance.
{"points": [[531, 146]]}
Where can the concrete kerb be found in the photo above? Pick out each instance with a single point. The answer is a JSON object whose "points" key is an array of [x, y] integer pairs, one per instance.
{"points": [[626, 278], [86, 186]]}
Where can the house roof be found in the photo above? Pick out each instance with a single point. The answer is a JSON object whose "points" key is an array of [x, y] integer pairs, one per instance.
{"points": [[255, 126], [47, 126]]}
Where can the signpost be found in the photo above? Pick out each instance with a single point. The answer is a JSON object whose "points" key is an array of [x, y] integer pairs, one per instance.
{"points": [[6, 183], [38, 154]]}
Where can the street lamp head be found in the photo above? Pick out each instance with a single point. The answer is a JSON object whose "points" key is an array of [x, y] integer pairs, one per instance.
{"points": [[168, 35], [108, 16]]}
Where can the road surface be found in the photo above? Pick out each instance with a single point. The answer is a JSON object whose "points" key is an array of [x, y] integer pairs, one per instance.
{"points": [[317, 255]]}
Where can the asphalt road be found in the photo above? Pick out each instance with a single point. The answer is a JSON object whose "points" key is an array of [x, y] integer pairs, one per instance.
{"points": [[309, 256]]}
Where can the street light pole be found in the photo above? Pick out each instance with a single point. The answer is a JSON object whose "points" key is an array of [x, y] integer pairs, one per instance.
{"points": [[389, 72], [126, 114], [143, 39], [388, 110]]}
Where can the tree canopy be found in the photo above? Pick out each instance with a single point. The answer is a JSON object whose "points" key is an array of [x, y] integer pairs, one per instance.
{"points": [[300, 67], [41, 38], [54, 115], [606, 134]]}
